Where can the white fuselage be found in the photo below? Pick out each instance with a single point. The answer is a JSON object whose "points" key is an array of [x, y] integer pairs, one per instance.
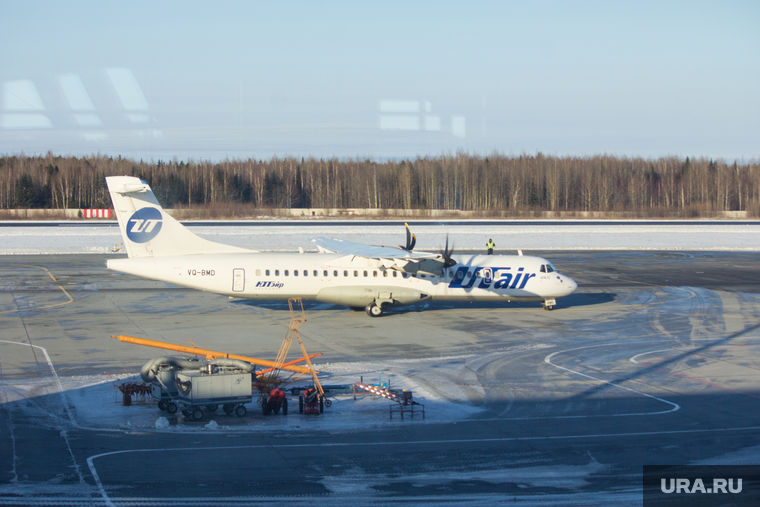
{"points": [[352, 280]]}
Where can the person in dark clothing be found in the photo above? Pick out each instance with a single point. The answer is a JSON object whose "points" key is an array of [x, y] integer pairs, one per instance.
{"points": [[490, 246]]}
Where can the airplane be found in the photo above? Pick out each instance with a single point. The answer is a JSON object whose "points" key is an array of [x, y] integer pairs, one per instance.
{"points": [[360, 276]]}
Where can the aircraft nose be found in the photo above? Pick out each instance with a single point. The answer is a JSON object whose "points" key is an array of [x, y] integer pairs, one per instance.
{"points": [[571, 285]]}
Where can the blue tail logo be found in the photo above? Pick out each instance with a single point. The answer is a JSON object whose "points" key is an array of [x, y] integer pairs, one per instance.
{"points": [[144, 225]]}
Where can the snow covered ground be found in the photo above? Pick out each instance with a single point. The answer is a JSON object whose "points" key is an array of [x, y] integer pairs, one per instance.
{"points": [[94, 401], [75, 237]]}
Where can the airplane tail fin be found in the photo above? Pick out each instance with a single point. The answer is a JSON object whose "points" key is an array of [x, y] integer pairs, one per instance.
{"points": [[147, 230]]}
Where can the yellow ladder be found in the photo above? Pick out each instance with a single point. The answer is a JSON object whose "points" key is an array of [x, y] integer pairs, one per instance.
{"points": [[297, 318], [295, 323]]}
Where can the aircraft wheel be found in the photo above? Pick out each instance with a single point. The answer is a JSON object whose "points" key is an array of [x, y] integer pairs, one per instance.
{"points": [[548, 307], [374, 310], [162, 405], [228, 408], [171, 407], [240, 410], [197, 414], [212, 408]]}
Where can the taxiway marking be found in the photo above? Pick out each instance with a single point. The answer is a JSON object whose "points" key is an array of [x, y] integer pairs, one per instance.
{"points": [[46, 306], [548, 360], [63, 432], [101, 488], [633, 360]]}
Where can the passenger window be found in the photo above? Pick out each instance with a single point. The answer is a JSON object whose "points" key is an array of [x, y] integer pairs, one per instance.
{"points": [[395, 273], [295, 272], [276, 272], [365, 273], [406, 275], [385, 274], [374, 273], [286, 272], [356, 273], [345, 273], [316, 273], [258, 272], [266, 272], [335, 273]]}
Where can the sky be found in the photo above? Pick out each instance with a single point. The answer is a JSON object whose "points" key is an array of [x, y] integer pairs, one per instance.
{"points": [[238, 79]]}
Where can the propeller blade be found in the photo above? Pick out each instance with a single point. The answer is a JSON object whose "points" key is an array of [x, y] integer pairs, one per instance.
{"points": [[411, 240], [447, 260]]}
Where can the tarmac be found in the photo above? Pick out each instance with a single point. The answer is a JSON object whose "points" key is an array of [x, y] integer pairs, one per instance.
{"points": [[654, 360]]}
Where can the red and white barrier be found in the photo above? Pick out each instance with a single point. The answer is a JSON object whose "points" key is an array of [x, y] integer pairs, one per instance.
{"points": [[97, 213]]}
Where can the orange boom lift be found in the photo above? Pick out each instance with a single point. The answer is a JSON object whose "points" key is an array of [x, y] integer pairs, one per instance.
{"points": [[213, 354]]}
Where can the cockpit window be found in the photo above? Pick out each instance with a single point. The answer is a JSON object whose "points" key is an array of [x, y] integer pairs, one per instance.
{"points": [[550, 268], [543, 268]]}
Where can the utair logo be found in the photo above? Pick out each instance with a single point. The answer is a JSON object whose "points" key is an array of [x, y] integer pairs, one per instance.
{"points": [[144, 225], [502, 278]]}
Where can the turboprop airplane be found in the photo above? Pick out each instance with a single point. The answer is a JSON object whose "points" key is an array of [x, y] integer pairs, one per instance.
{"points": [[341, 272]]}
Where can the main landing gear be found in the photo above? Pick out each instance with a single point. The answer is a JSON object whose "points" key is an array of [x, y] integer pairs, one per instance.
{"points": [[374, 310]]}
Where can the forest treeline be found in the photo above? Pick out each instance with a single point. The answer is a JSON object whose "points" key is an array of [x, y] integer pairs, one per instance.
{"points": [[456, 182]]}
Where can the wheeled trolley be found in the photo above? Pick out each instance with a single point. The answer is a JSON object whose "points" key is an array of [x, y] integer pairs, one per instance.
{"points": [[164, 389], [201, 392]]}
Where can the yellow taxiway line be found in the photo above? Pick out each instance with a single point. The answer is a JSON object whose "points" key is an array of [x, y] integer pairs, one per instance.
{"points": [[46, 306]]}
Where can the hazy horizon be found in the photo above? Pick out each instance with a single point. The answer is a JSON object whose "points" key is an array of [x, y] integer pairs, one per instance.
{"points": [[386, 81]]}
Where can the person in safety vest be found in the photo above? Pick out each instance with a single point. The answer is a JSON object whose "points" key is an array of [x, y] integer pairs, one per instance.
{"points": [[490, 246]]}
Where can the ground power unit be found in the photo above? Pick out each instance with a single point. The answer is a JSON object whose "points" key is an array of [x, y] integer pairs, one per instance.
{"points": [[197, 390]]}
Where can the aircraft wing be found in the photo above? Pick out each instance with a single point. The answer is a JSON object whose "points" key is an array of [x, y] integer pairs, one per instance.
{"points": [[386, 257], [362, 250]]}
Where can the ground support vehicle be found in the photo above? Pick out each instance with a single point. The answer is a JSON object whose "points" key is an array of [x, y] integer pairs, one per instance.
{"points": [[164, 389], [273, 402], [311, 403], [199, 390]]}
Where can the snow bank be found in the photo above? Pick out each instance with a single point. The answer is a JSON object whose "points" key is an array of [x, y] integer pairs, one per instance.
{"points": [[470, 235]]}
